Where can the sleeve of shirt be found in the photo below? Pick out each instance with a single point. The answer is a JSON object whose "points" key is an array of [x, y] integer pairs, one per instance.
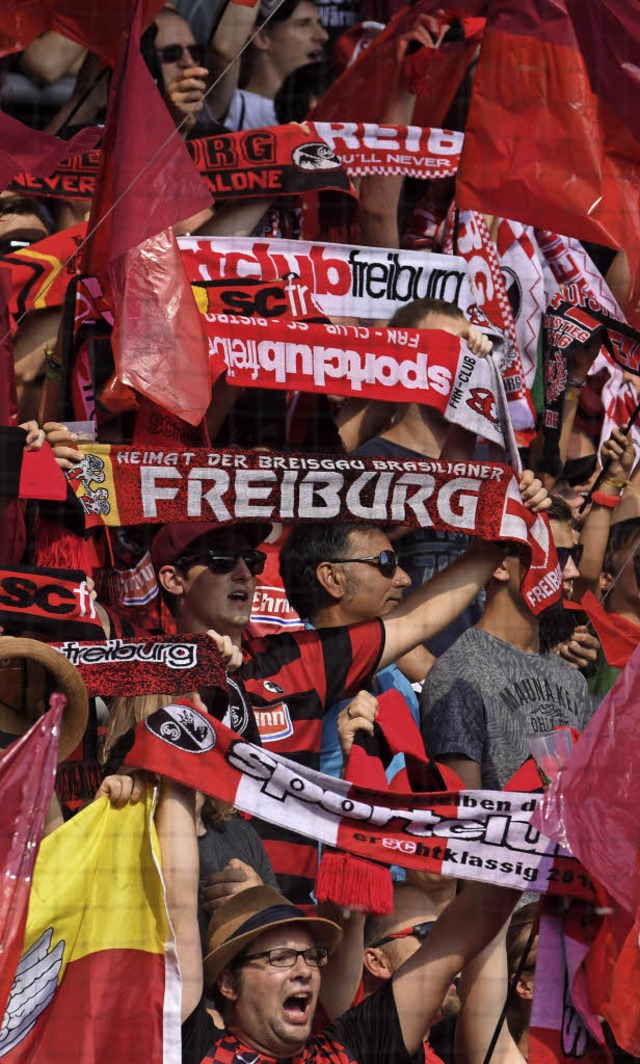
{"points": [[455, 722], [351, 657], [371, 1031]]}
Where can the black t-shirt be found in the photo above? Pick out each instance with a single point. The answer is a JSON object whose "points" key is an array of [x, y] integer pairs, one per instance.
{"points": [[367, 1034]]}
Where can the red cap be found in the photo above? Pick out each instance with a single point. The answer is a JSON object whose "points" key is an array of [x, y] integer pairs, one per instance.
{"points": [[173, 539]]}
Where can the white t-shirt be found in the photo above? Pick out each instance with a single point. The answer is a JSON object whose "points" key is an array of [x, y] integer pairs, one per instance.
{"points": [[247, 110]]}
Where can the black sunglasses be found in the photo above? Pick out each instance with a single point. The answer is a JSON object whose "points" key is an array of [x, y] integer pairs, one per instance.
{"points": [[172, 53], [386, 561], [419, 930], [224, 561], [575, 553]]}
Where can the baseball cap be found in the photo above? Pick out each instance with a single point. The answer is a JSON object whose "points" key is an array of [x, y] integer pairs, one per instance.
{"points": [[173, 539]]}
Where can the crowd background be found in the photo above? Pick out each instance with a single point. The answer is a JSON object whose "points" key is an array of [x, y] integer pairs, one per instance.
{"points": [[120, 279]]}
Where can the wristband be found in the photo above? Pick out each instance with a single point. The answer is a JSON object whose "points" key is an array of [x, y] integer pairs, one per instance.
{"points": [[575, 384], [572, 395], [615, 483], [610, 501]]}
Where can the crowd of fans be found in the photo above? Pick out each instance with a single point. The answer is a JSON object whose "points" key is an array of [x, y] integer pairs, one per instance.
{"points": [[316, 621]]}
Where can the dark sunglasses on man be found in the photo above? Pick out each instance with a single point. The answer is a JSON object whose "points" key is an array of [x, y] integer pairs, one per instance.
{"points": [[172, 53], [222, 561], [419, 930], [386, 561], [575, 553]]}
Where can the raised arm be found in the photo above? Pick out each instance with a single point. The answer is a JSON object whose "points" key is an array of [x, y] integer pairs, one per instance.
{"points": [[465, 928], [232, 32]]}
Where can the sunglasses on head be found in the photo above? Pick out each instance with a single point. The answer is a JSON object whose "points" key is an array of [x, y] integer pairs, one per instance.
{"points": [[172, 53], [224, 561], [419, 930], [575, 553], [386, 561]]}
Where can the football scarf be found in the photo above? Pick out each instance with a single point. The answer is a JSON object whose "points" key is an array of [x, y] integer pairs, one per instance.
{"points": [[288, 160], [148, 665], [56, 602], [468, 236], [40, 273], [572, 320], [395, 365], [130, 486], [298, 278], [483, 835]]}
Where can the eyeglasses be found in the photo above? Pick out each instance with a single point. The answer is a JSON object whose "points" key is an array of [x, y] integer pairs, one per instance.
{"points": [[225, 561], [419, 930], [314, 956], [386, 561], [172, 53], [575, 553]]}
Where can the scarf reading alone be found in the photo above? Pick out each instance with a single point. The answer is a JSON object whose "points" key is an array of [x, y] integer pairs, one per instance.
{"points": [[483, 835], [286, 160], [130, 486], [574, 319]]}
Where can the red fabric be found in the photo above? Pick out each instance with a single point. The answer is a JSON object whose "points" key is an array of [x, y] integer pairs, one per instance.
{"points": [[98, 27], [8, 391], [40, 273], [25, 150], [621, 1009], [83, 1015], [568, 98], [41, 477], [271, 611], [27, 775], [618, 636]]}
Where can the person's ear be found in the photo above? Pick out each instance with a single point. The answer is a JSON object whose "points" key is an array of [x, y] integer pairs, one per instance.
{"points": [[605, 580], [262, 40], [331, 578], [227, 986], [376, 963], [171, 579], [503, 572], [524, 986]]}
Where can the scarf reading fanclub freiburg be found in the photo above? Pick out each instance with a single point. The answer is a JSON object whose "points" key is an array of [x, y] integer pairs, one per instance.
{"points": [[484, 835], [128, 486]]}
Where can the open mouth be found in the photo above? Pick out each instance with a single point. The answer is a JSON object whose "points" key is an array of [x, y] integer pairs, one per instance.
{"points": [[296, 1008], [239, 596]]}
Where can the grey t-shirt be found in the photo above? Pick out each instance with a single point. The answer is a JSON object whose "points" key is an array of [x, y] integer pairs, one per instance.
{"points": [[483, 697]]}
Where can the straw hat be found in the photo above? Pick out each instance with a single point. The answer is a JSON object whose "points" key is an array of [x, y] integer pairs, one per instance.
{"points": [[248, 915], [67, 679]]}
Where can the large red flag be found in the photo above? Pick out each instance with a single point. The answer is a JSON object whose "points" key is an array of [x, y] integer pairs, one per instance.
{"points": [[99, 27], [34, 152], [553, 137], [618, 636], [147, 183], [27, 776]]}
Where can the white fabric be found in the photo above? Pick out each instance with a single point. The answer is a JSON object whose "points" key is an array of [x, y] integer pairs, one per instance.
{"points": [[247, 110]]}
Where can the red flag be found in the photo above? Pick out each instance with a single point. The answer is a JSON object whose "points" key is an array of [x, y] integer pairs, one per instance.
{"points": [[621, 1009], [619, 637], [434, 74], [147, 183], [27, 776], [31, 151], [8, 391], [578, 811], [551, 138], [98, 27]]}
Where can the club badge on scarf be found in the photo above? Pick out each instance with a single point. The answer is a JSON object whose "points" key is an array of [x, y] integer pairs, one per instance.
{"points": [[131, 486], [573, 320], [56, 602], [483, 835], [147, 665]]}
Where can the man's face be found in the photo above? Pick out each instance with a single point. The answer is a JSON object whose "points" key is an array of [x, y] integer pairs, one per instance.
{"points": [[564, 535], [173, 30], [216, 600], [19, 222], [273, 1008], [369, 593], [297, 40]]}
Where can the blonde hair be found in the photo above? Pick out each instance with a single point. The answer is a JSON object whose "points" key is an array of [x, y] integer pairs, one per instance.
{"points": [[125, 713]]}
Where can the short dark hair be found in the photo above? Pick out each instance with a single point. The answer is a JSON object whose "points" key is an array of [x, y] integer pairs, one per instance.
{"points": [[221, 1003], [411, 314], [621, 535], [560, 510], [305, 548]]}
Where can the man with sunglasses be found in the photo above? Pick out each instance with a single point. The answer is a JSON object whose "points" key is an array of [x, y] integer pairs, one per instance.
{"points": [[181, 65], [493, 688]]}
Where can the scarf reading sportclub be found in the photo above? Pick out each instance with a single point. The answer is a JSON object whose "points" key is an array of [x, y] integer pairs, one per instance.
{"points": [[147, 665], [127, 486], [395, 365], [285, 160], [573, 319], [484, 835], [56, 602]]}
